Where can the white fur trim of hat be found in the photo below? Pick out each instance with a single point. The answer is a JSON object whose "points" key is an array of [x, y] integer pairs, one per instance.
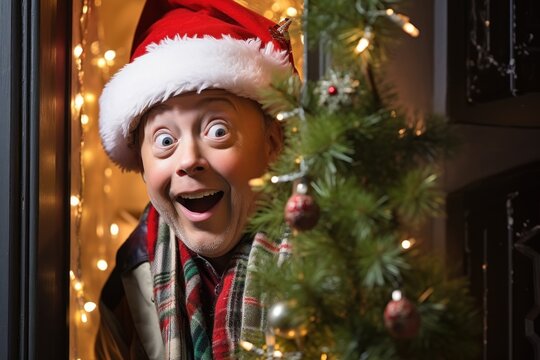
{"points": [[176, 66]]}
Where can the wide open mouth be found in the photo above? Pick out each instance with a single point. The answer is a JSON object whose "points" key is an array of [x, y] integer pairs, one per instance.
{"points": [[200, 203]]}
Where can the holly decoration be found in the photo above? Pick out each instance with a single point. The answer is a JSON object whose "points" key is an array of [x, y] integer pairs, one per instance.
{"points": [[301, 211], [401, 317]]}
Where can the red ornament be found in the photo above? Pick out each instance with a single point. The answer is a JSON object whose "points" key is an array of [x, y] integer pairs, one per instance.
{"points": [[401, 317], [332, 90], [301, 212]]}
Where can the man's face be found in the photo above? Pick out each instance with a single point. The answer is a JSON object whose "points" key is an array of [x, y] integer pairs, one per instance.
{"points": [[199, 152]]}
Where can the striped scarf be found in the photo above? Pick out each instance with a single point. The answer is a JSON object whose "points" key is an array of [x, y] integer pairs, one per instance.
{"points": [[238, 312]]}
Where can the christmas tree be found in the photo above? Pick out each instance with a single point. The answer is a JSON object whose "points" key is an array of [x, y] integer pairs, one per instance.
{"points": [[355, 178]]}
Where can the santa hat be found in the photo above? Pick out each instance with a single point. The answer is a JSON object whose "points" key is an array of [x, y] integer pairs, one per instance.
{"points": [[189, 45]]}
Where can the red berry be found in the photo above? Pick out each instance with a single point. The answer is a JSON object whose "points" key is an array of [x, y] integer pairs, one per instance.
{"points": [[332, 90]]}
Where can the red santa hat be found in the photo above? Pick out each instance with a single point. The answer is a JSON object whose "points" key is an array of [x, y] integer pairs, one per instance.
{"points": [[189, 45]]}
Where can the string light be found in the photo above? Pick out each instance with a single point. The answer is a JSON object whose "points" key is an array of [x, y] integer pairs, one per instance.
{"points": [[85, 119], [114, 229], [84, 318], [403, 22], [406, 244], [77, 51], [109, 55], [74, 200], [79, 101], [291, 11], [102, 265], [364, 42], [89, 306]]}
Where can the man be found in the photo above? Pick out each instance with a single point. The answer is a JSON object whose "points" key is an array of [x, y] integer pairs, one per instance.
{"points": [[184, 113]]}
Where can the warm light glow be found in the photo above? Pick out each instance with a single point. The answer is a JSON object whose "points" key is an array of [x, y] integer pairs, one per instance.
{"points": [[324, 356], [291, 11], [396, 295], [85, 9], [109, 55], [89, 97], [71, 275], [74, 200], [79, 101], [108, 172], [94, 47], [246, 345], [78, 285], [114, 229], [89, 306], [274, 179], [100, 231], [362, 45], [84, 119], [278, 354], [280, 116], [97, 2], [77, 51], [410, 29], [302, 38], [406, 244], [276, 7], [102, 264], [84, 318], [269, 14], [101, 63], [107, 189], [256, 182], [389, 12]]}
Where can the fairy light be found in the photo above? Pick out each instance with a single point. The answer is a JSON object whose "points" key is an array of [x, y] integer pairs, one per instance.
{"points": [[246, 345], [406, 244], [114, 229], [109, 55], [403, 22], [364, 42], [78, 286], [84, 119], [101, 63], [396, 295], [102, 265], [77, 51], [89, 306], [291, 11], [84, 318], [71, 275], [108, 172], [79, 101], [74, 200]]}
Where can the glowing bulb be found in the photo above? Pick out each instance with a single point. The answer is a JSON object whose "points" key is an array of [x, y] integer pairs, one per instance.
{"points": [[109, 55], [389, 12], [406, 244], [274, 179], [89, 306], [291, 11], [269, 14], [78, 285], [396, 295], [108, 172], [280, 116], [102, 265], [276, 7], [324, 356], [85, 9], [77, 51], [256, 182], [107, 189], [100, 231], [84, 318], [114, 229], [74, 200], [89, 97], [278, 354], [364, 42], [84, 119], [362, 45], [101, 63], [71, 275], [410, 29], [246, 345], [79, 101]]}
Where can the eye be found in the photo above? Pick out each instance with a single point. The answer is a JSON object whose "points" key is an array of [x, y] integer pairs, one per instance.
{"points": [[164, 140], [217, 131]]}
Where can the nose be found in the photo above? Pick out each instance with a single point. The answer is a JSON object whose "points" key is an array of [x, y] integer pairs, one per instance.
{"points": [[190, 160]]}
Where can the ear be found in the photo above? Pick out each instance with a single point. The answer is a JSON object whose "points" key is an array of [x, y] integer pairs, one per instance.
{"points": [[274, 140]]}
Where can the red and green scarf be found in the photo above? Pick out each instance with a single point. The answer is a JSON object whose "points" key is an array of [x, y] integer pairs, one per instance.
{"points": [[179, 292]]}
